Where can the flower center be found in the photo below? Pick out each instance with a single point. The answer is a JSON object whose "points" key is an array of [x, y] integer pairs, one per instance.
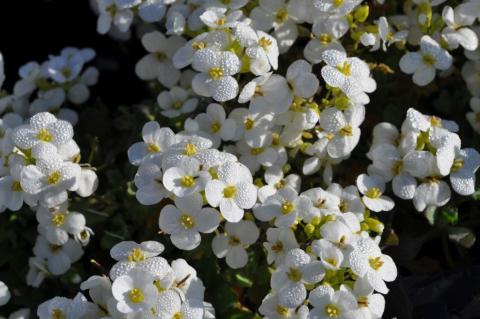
{"points": [[178, 315], [331, 261], [343, 206], [189, 149], [397, 167], [373, 192], [325, 38], [215, 127], [345, 68], [112, 10], [375, 263], [248, 123], [257, 151], [338, 3], [177, 105], [136, 295], [153, 148], [198, 46], [457, 164], [187, 221], [280, 184], [229, 191], [436, 121], [136, 255], [215, 73], [264, 43], [282, 311], [287, 207], [221, 21], [294, 274], [44, 135], [281, 16], [278, 247], [332, 311], [429, 59], [187, 181], [66, 72], [347, 130], [158, 285], [363, 302], [58, 314], [54, 178], [161, 56], [233, 241], [16, 186], [58, 219]]}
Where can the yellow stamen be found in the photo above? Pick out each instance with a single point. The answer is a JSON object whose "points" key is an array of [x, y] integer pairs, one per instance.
{"points": [[187, 181], [187, 221], [375, 263], [229, 191], [54, 178], [136, 295], [44, 135], [373, 193], [136, 255]]}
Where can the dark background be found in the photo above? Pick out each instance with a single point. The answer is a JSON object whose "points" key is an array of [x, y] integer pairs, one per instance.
{"points": [[428, 286]]}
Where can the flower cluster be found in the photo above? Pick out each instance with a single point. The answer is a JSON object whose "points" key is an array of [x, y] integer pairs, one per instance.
{"points": [[417, 159], [40, 159], [140, 284]]}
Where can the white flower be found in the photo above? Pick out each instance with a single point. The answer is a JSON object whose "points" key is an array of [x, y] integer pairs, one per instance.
{"points": [[59, 223], [341, 7], [215, 123], [267, 93], [218, 18], [59, 258], [301, 81], [4, 294], [289, 279], [233, 242], [342, 230], [250, 125], [186, 178], [134, 292], [378, 38], [272, 308], [186, 219], [155, 141], [176, 102], [462, 175], [279, 242], [328, 303], [456, 34], [148, 180], [216, 79], [133, 252], [170, 305], [275, 180], [50, 178], [60, 307], [232, 191], [375, 303], [423, 64], [351, 75], [372, 187], [366, 260], [158, 63], [327, 33], [330, 255], [43, 127], [285, 207], [112, 12]]}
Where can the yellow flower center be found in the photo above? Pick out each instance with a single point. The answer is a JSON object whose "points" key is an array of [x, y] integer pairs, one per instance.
{"points": [[343, 206], [16, 186], [331, 261], [158, 285], [153, 148], [280, 184], [363, 302], [233, 241], [281, 16], [221, 21], [187, 221], [436, 121], [44, 135], [177, 105], [375, 263], [187, 181], [373, 192], [215, 73], [294, 274], [215, 127], [282, 311], [264, 43], [198, 46], [161, 56], [257, 151], [277, 247], [58, 219], [287, 207], [347, 130], [111, 9], [136, 255], [397, 167], [332, 311], [213, 172], [229, 191], [189, 149], [429, 59], [345, 68], [248, 123], [258, 91], [457, 164], [136, 295], [325, 38], [54, 178], [58, 314]]}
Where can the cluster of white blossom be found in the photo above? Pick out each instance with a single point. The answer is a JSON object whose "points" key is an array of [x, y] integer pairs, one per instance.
{"points": [[417, 159], [140, 284], [39, 160]]}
